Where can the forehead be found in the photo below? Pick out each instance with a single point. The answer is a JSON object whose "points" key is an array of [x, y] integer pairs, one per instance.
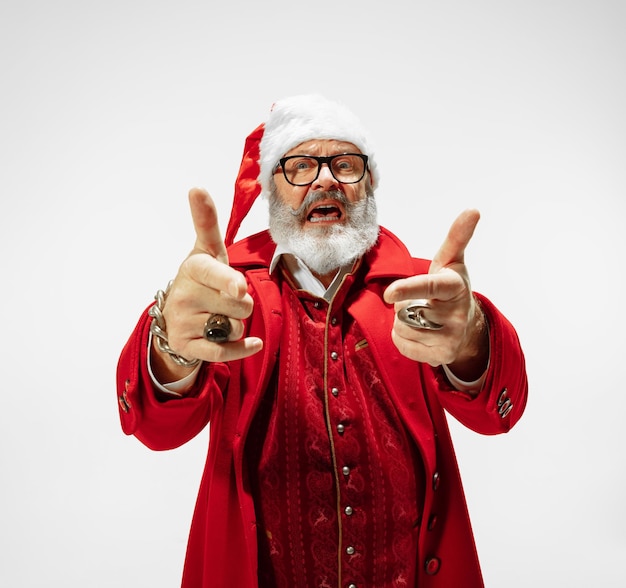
{"points": [[323, 147]]}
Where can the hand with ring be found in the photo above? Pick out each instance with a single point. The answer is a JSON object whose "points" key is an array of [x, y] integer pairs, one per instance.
{"points": [[207, 302], [217, 328], [413, 316], [438, 320]]}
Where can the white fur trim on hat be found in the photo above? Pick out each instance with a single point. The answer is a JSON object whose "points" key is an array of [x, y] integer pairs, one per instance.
{"points": [[302, 118]]}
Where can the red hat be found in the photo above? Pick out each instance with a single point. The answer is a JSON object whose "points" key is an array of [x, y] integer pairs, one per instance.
{"points": [[247, 187], [291, 121]]}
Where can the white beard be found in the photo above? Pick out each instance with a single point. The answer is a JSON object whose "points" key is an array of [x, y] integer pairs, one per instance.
{"points": [[327, 248]]}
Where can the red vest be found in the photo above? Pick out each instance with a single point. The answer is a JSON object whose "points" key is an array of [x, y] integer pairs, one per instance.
{"points": [[332, 468]]}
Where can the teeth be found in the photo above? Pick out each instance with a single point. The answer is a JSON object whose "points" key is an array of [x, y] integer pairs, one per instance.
{"points": [[318, 219], [318, 215]]}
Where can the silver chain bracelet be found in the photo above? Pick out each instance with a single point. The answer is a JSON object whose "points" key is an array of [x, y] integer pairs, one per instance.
{"points": [[157, 328]]}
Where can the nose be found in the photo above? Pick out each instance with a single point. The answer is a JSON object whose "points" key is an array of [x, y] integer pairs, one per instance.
{"points": [[325, 180]]}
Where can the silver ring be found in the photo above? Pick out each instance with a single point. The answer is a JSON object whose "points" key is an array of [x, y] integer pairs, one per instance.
{"points": [[412, 315], [217, 329]]}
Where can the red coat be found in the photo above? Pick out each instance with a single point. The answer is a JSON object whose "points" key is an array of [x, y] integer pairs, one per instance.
{"points": [[222, 548]]}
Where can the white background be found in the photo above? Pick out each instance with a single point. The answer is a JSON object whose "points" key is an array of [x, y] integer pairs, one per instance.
{"points": [[110, 111]]}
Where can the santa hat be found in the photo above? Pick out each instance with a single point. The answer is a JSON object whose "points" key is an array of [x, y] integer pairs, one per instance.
{"points": [[291, 121]]}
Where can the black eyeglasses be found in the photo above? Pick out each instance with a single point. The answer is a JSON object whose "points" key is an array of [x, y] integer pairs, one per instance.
{"points": [[302, 170]]}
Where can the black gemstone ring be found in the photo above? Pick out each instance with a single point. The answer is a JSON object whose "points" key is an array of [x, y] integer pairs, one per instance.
{"points": [[217, 329]]}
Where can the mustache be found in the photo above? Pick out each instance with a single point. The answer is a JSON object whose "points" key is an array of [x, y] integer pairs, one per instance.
{"points": [[314, 197]]}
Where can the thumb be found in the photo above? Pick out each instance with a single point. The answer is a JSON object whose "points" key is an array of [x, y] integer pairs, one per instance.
{"points": [[204, 215], [453, 248]]}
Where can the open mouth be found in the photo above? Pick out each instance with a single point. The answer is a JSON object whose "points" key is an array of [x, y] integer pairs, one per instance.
{"points": [[325, 213]]}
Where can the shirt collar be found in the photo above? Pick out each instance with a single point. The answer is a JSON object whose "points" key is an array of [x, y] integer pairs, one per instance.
{"points": [[304, 277]]}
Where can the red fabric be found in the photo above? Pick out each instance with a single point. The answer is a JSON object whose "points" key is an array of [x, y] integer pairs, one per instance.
{"points": [[247, 187], [294, 462], [222, 549]]}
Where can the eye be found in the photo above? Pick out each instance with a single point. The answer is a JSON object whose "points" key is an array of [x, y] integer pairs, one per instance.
{"points": [[343, 164], [301, 164]]}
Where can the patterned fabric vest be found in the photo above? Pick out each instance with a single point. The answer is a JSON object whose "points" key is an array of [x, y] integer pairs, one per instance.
{"points": [[337, 482]]}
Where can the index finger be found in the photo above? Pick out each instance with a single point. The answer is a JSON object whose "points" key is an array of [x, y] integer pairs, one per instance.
{"points": [[453, 248], [443, 286], [204, 215]]}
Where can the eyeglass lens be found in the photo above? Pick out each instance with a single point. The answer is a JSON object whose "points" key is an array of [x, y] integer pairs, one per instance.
{"points": [[301, 170]]}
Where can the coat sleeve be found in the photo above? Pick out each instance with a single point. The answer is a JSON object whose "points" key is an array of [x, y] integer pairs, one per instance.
{"points": [[502, 400], [160, 423]]}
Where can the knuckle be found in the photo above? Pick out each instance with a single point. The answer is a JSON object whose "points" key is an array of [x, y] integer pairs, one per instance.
{"points": [[433, 286], [217, 354], [176, 340], [178, 308], [192, 264], [237, 330], [447, 356], [247, 306], [221, 352]]}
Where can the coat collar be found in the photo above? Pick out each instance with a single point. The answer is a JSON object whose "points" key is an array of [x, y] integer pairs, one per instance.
{"points": [[388, 259]]}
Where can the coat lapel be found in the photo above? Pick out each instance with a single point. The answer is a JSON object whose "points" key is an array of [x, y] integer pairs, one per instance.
{"points": [[403, 377]]}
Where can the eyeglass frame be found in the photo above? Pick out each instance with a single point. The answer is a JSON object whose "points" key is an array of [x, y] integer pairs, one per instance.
{"points": [[320, 162]]}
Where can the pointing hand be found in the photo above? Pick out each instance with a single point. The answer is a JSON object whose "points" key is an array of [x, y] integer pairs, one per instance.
{"points": [[461, 343], [206, 285]]}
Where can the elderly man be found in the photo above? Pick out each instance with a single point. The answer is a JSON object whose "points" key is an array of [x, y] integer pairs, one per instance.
{"points": [[323, 356]]}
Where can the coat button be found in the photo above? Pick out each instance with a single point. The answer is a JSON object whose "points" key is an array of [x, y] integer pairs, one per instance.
{"points": [[436, 480], [505, 406], [124, 404], [432, 522], [432, 565]]}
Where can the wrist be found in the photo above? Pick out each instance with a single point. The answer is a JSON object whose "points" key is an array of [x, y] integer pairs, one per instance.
{"points": [[164, 369], [473, 357]]}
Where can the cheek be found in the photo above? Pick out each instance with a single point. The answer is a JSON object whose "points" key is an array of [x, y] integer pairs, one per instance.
{"points": [[294, 201], [355, 192], [294, 198]]}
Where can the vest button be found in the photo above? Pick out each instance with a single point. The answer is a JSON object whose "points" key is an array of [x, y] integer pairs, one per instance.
{"points": [[348, 510], [432, 565], [350, 550]]}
